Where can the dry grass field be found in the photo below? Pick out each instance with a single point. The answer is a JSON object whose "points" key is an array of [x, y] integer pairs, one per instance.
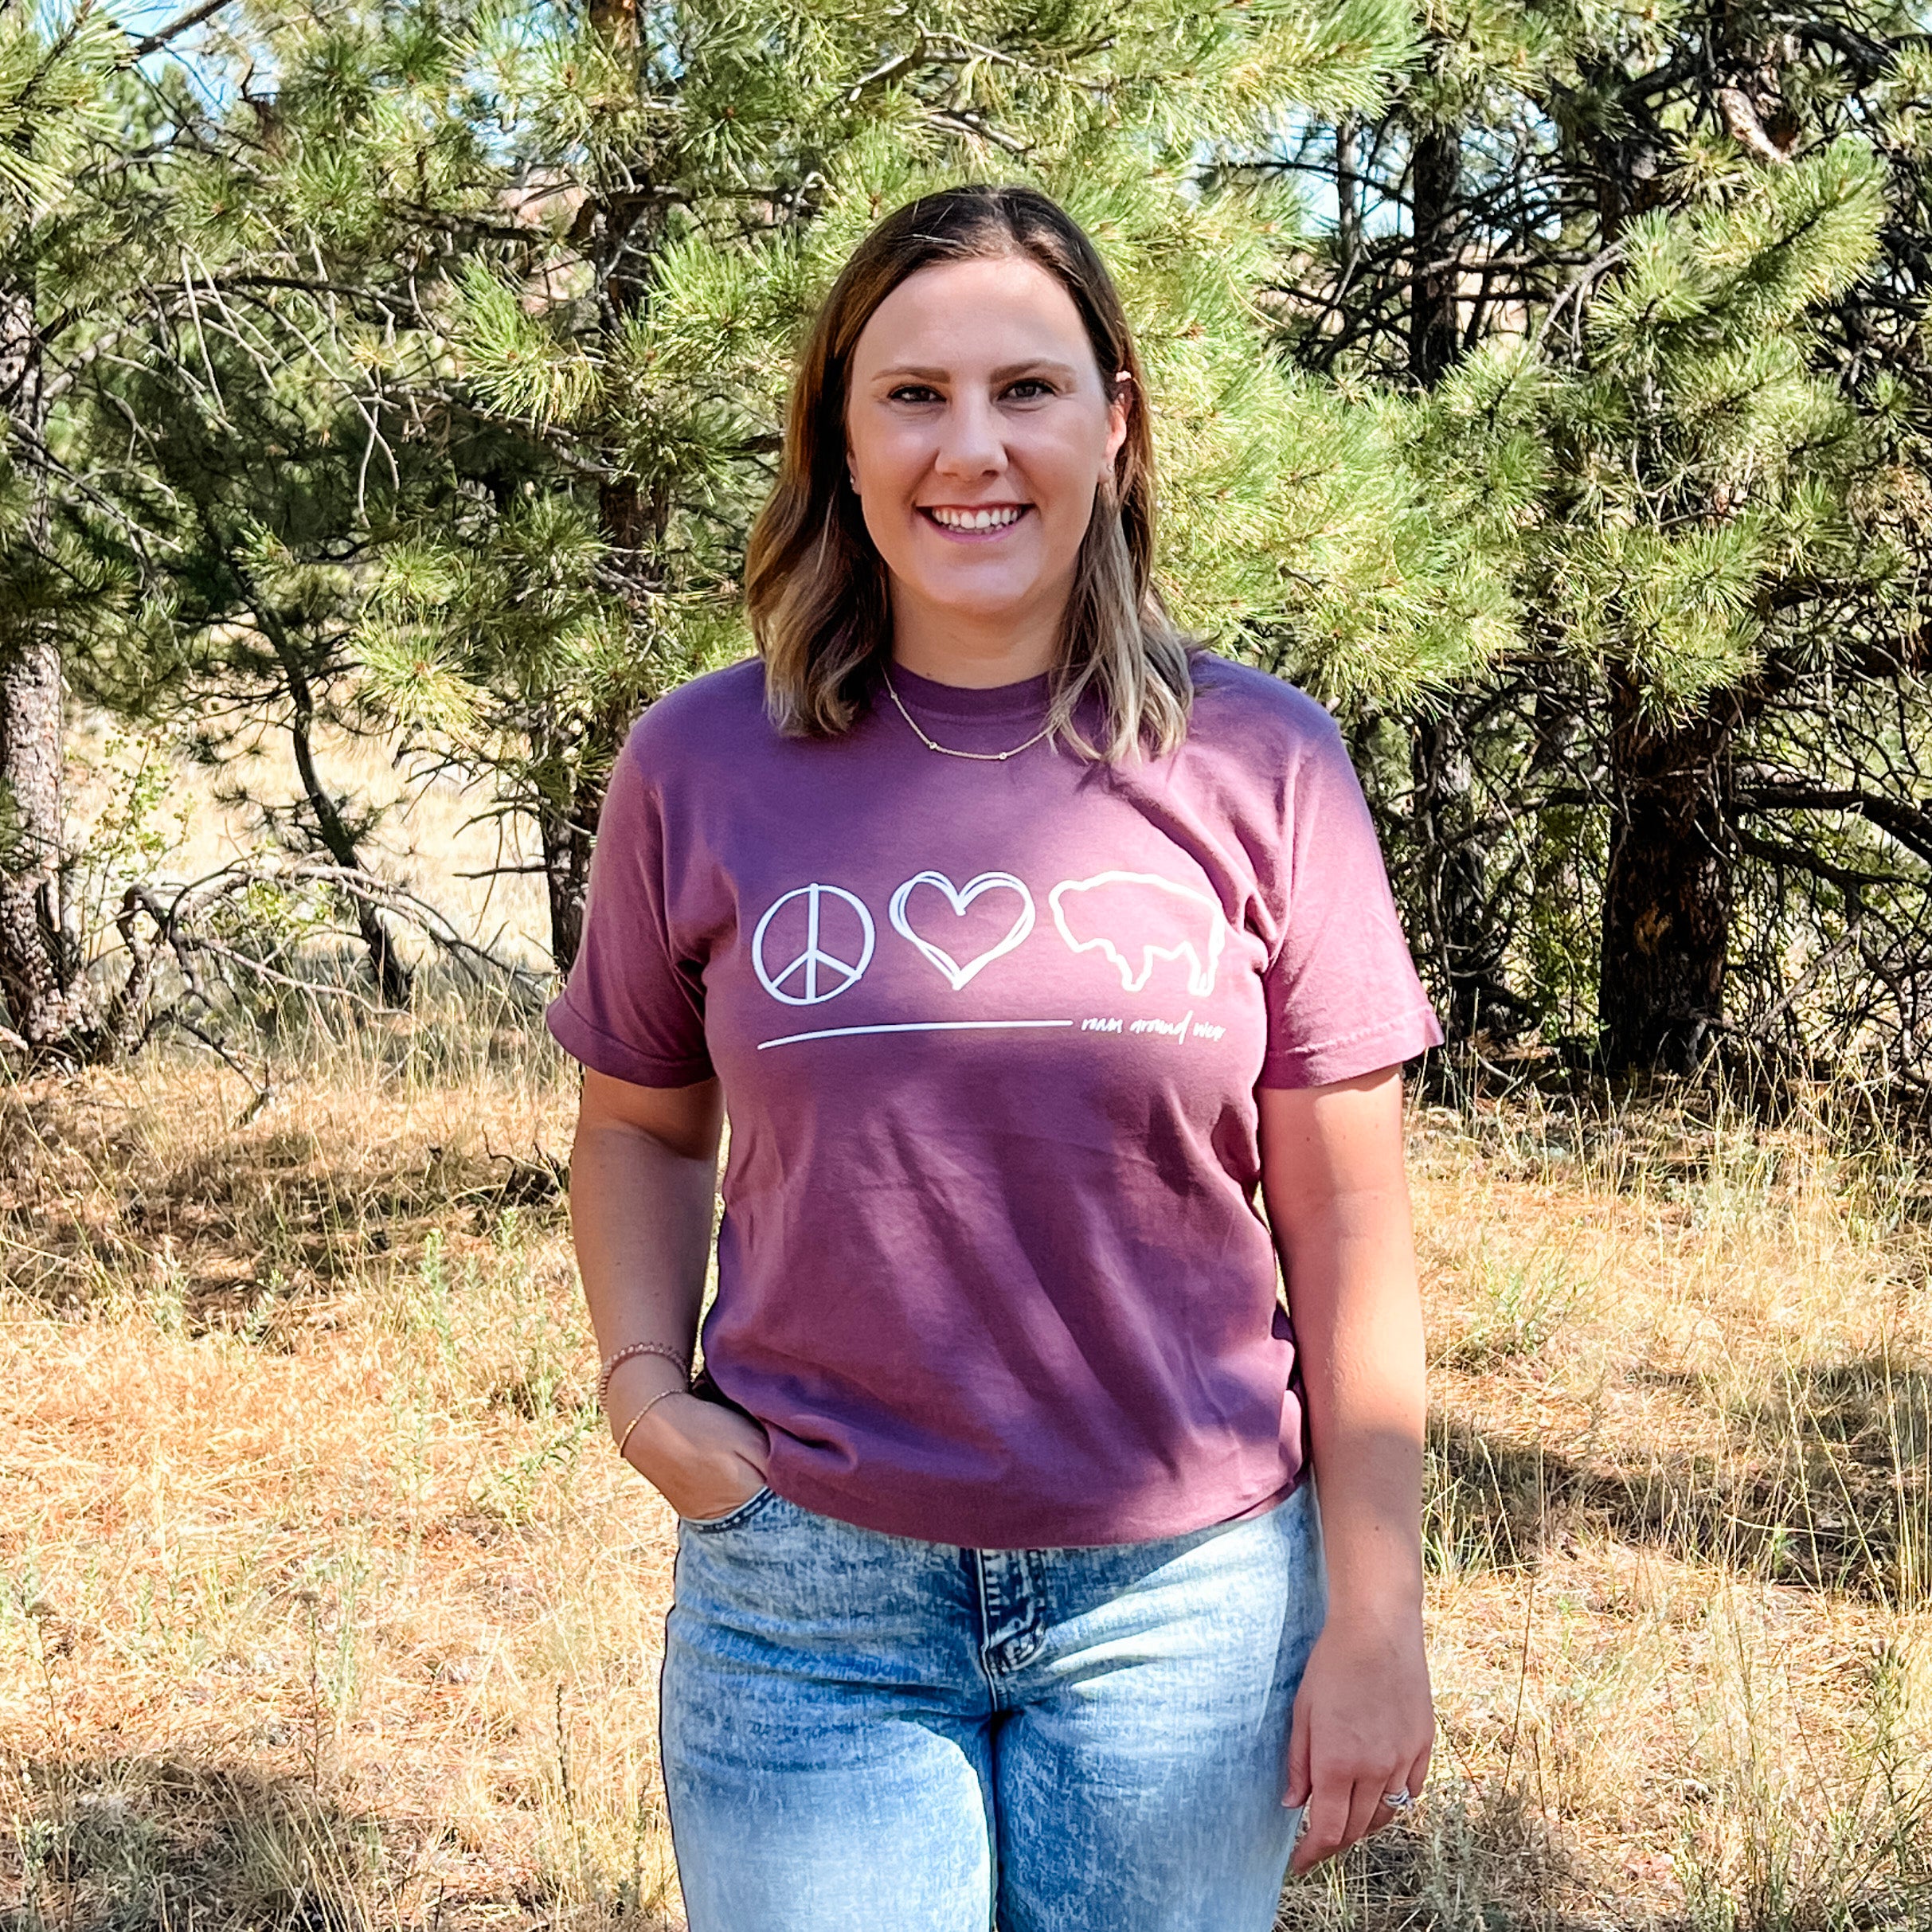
{"points": [[323, 1602]]}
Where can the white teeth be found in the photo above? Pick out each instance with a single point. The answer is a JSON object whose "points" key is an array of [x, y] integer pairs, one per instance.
{"points": [[976, 519]]}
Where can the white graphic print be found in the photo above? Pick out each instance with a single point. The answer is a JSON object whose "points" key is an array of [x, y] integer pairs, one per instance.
{"points": [[960, 897], [918, 1025], [1116, 920], [832, 917]]}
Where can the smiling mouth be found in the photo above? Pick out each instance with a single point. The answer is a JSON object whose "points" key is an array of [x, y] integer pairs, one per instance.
{"points": [[985, 521]]}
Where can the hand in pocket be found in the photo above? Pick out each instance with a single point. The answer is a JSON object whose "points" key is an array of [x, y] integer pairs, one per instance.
{"points": [[705, 1459]]}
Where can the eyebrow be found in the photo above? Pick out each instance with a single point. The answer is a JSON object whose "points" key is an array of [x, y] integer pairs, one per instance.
{"points": [[1034, 365]]}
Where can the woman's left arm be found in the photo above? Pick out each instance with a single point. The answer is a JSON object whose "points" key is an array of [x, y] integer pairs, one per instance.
{"points": [[1338, 1201]]}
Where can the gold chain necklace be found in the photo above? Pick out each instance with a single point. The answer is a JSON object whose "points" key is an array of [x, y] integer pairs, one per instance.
{"points": [[981, 757]]}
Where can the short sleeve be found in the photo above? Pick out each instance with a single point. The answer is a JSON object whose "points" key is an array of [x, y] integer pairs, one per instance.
{"points": [[1341, 991], [631, 1008]]}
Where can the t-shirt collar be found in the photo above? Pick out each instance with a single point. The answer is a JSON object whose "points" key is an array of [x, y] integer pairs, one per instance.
{"points": [[925, 698]]}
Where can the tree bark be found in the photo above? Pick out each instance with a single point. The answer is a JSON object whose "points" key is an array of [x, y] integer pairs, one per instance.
{"points": [[1464, 949], [620, 228], [1668, 891], [1465, 954], [1434, 339], [394, 980], [40, 964], [567, 838], [1348, 193], [38, 968], [1670, 884], [567, 822]]}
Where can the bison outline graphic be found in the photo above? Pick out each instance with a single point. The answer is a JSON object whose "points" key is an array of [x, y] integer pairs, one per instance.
{"points": [[1203, 960]]}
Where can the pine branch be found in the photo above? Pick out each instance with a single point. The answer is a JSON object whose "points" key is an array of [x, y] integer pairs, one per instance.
{"points": [[1741, 117], [153, 42], [1911, 825], [1799, 859]]}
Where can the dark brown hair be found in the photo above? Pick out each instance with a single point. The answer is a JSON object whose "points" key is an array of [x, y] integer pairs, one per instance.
{"points": [[815, 585]]}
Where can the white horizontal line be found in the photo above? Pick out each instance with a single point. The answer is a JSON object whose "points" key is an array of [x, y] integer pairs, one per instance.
{"points": [[910, 1026]]}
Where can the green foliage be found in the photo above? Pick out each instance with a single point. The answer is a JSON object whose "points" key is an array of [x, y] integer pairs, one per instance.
{"points": [[1677, 252], [56, 101], [420, 366], [602, 253], [1406, 517], [1703, 462]]}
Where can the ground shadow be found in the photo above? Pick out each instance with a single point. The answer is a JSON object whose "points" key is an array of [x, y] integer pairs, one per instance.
{"points": [[128, 1843], [1479, 1857], [1825, 1483], [145, 1844], [241, 1230]]}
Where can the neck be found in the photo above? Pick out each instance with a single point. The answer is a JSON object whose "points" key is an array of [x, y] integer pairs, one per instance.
{"points": [[951, 648]]}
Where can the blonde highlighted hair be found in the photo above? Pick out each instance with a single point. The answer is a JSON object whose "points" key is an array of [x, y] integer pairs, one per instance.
{"points": [[815, 586]]}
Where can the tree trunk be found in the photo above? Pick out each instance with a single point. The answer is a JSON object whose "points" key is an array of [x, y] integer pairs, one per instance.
{"points": [[39, 965], [1348, 193], [567, 837], [567, 826], [1434, 340], [394, 980], [621, 228], [1668, 891], [567, 820], [1464, 951]]}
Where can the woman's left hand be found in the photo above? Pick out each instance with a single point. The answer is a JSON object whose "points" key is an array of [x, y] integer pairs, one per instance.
{"points": [[1363, 1724]]}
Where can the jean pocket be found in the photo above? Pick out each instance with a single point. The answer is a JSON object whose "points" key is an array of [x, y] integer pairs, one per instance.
{"points": [[752, 1504]]}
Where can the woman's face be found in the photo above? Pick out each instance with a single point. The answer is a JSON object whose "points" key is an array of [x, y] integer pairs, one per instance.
{"points": [[978, 429]]}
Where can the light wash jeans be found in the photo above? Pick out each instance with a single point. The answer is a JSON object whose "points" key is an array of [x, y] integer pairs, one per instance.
{"points": [[864, 1733]]}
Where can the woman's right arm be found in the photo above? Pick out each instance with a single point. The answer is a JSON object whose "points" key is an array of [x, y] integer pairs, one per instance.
{"points": [[643, 1172]]}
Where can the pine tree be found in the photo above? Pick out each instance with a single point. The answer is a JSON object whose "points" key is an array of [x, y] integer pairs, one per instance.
{"points": [[186, 500], [601, 351], [1661, 222], [432, 370], [1716, 477], [69, 116], [250, 462]]}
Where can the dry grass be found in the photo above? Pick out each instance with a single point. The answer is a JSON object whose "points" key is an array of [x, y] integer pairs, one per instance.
{"points": [[323, 1603], [1681, 1526]]}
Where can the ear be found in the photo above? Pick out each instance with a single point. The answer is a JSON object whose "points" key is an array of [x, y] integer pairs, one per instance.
{"points": [[1120, 412]]}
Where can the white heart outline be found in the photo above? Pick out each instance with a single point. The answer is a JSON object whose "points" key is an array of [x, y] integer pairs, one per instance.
{"points": [[960, 897]]}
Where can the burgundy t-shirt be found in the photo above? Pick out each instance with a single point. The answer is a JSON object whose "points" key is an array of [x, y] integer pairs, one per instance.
{"points": [[993, 1269]]}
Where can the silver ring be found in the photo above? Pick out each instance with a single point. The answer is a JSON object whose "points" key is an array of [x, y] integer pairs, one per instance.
{"points": [[1398, 1800]]}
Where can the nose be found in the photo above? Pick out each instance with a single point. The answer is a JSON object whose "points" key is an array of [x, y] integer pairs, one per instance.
{"points": [[970, 443]]}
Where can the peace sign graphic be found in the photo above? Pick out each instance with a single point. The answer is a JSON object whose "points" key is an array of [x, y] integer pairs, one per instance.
{"points": [[838, 935]]}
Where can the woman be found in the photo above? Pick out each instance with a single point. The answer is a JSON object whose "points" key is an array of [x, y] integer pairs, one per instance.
{"points": [[1022, 945]]}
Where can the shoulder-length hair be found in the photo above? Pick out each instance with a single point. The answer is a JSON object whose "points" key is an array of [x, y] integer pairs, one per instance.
{"points": [[815, 587]]}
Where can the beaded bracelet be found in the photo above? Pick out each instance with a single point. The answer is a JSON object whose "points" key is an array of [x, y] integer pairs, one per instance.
{"points": [[668, 1350], [662, 1395]]}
